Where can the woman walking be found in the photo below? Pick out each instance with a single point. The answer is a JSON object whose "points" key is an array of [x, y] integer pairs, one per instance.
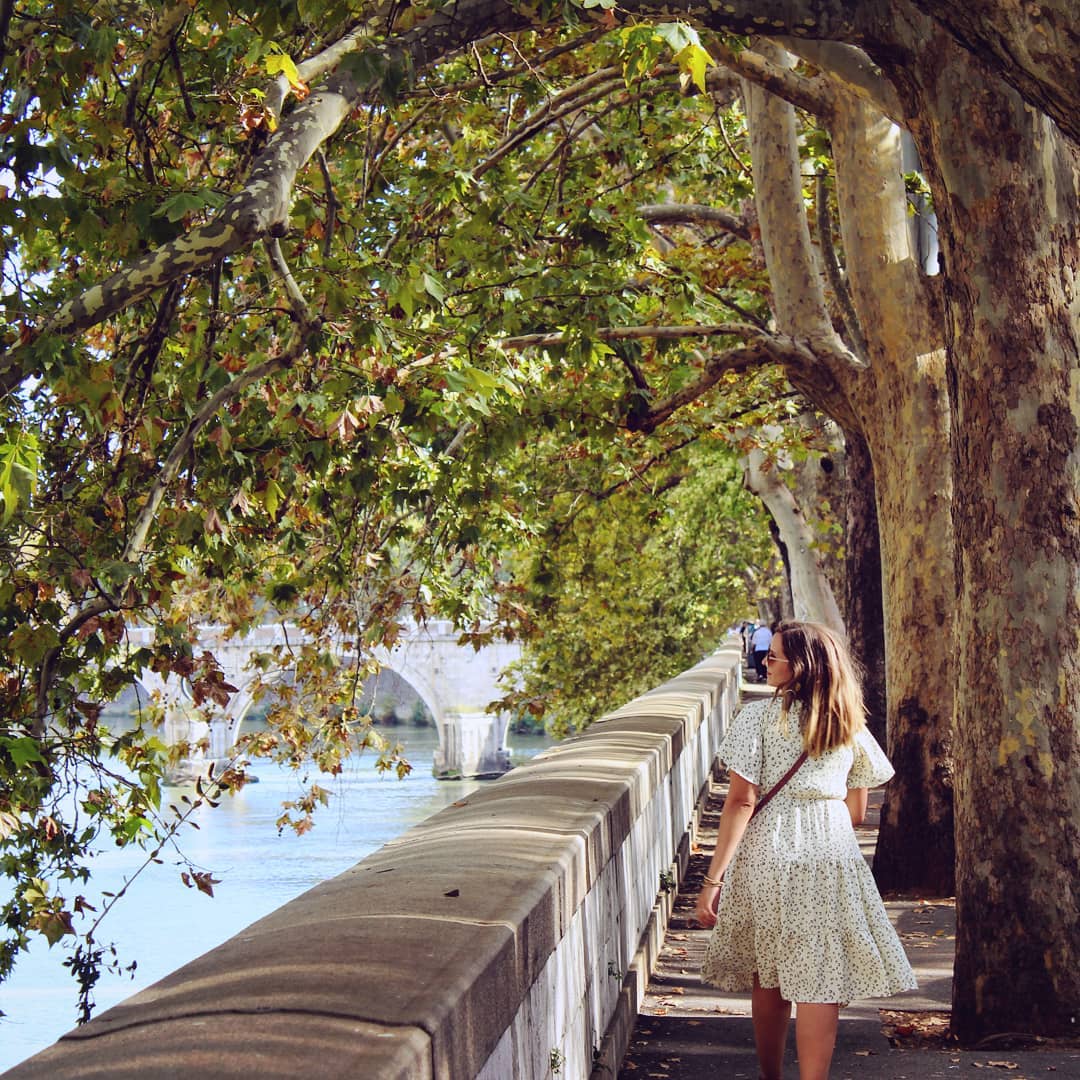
{"points": [[796, 913]]}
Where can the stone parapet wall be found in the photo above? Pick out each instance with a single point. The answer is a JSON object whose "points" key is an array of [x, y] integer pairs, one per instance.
{"points": [[505, 937]]}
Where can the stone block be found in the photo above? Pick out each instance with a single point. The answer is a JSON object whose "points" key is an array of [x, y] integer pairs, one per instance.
{"points": [[237, 1044]]}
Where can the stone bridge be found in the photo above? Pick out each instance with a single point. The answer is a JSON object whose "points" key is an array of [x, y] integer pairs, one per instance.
{"points": [[456, 682]]}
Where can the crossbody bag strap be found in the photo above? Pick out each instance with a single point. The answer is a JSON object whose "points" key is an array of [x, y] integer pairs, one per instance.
{"points": [[763, 801]]}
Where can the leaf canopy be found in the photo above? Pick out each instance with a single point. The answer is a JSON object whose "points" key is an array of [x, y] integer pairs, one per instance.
{"points": [[334, 426]]}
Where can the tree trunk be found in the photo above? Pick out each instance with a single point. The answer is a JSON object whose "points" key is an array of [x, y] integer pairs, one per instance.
{"points": [[906, 421], [811, 594], [1007, 191], [916, 845], [1036, 47], [898, 401], [863, 610]]}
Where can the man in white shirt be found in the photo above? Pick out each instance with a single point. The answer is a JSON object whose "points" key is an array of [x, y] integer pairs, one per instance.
{"points": [[760, 644]]}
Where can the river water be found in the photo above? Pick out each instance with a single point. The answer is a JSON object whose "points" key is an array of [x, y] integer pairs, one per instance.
{"points": [[161, 924]]}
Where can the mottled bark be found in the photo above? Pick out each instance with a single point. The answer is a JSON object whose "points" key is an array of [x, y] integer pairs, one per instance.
{"points": [[1006, 190], [1034, 46]]}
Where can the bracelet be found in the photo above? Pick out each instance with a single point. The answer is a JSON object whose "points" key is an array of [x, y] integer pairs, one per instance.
{"points": [[712, 881]]}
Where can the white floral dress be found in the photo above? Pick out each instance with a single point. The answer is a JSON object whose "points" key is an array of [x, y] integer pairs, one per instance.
{"points": [[799, 905]]}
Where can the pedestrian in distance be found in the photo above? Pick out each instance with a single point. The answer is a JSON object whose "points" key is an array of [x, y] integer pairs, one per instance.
{"points": [[795, 911], [759, 644]]}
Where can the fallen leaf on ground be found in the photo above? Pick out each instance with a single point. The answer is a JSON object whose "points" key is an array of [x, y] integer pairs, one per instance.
{"points": [[915, 1029]]}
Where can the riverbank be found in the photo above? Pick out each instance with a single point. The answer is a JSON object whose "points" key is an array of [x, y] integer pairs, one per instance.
{"points": [[161, 924]]}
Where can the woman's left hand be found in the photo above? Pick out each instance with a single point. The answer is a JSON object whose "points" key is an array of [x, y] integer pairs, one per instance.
{"points": [[705, 910]]}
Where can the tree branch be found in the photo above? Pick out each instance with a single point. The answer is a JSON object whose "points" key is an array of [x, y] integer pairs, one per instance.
{"points": [[297, 304], [571, 100], [798, 293], [765, 349], [852, 67], [694, 214], [178, 70], [631, 333], [811, 95], [636, 374], [637, 475], [7, 7], [332, 204], [263, 203], [1035, 47], [832, 269], [318, 65], [136, 543], [493, 78]]}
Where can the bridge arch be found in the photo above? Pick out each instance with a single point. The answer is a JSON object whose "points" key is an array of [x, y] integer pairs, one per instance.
{"points": [[455, 682]]}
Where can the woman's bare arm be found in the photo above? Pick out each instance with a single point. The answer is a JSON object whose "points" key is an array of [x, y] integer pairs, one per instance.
{"points": [[856, 800], [735, 816]]}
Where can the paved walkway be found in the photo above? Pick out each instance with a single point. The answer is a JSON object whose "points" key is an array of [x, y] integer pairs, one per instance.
{"points": [[687, 1031]]}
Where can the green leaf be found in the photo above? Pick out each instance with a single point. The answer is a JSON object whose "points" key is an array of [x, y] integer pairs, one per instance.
{"points": [[133, 826], [678, 35], [20, 459], [273, 497], [22, 751], [365, 67], [188, 202], [434, 287]]}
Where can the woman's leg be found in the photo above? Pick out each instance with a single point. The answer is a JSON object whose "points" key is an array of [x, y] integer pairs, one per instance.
{"points": [[815, 1038], [771, 1014]]}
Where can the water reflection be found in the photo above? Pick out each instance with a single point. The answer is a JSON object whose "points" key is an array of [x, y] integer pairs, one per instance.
{"points": [[162, 925]]}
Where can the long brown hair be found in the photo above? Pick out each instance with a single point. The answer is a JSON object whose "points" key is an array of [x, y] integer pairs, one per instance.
{"points": [[824, 679]]}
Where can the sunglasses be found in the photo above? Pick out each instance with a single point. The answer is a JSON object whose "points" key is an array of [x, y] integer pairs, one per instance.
{"points": [[771, 658]]}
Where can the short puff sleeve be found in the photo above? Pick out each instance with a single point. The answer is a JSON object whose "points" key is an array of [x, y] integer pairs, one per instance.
{"points": [[740, 749], [871, 767]]}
